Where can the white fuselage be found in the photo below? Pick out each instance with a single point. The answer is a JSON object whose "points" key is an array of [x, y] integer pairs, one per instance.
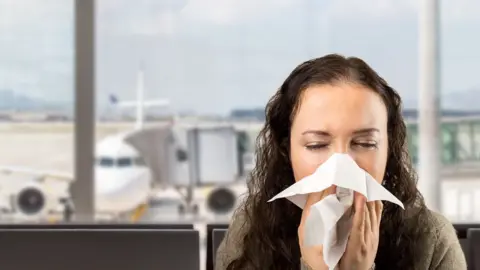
{"points": [[122, 179]]}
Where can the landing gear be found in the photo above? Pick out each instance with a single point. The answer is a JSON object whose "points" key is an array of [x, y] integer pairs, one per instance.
{"points": [[68, 209], [188, 207], [195, 209], [181, 209]]}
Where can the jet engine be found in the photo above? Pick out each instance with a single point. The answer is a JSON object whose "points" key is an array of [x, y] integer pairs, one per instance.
{"points": [[221, 200], [31, 202]]}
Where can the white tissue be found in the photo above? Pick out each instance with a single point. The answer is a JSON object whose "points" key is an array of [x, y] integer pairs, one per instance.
{"points": [[326, 224]]}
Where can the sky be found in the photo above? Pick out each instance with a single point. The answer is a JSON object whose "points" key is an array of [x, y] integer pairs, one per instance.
{"points": [[210, 56]]}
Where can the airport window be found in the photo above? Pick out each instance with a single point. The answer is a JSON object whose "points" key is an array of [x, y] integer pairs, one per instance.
{"points": [[465, 141], [476, 139], [157, 51], [37, 95], [449, 133]]}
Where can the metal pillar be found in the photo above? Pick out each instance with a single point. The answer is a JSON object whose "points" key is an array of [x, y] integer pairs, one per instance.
{"points": [[82, 189], [430, 147]]}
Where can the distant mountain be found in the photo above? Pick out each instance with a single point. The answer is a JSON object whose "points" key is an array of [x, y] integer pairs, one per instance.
{"points": [[9, 100], [468, 100], [253, 114], [464, 100]]}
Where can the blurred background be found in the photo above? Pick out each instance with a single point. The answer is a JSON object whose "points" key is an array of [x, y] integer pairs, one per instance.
{"points": [[180, 88]]}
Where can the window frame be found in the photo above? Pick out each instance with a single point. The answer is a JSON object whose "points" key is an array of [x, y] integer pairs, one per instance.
{"points": [[82, 188]]}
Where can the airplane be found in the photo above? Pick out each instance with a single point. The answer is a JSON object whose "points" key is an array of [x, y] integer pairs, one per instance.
{"points": [[123, 181]]}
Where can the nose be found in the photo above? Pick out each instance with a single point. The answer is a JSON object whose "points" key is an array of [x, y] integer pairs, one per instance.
{"points": [[342, 146]]}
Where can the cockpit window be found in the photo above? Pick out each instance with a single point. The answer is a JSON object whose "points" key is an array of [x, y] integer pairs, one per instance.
{"points": [[124, 162], [106, 162]]}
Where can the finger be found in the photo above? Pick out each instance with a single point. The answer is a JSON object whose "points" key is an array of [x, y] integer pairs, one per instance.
{"points": [[372, 216], [359, 217], [368, 228], [379, 211], [368, 222]]}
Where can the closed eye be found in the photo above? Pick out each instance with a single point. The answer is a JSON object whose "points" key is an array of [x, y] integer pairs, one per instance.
{"points": [[366, 145], [317, 146]]}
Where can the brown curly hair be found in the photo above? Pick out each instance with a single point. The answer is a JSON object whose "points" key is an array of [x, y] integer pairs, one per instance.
{"points": [[271, 241]]}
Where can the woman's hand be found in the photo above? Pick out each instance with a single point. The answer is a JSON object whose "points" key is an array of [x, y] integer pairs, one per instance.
{"points": [[363, 241], [313, 256]]}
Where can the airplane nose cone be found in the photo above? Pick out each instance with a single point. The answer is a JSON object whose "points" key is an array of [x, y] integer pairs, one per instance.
{"points": [[121, 190], [112, 181]]}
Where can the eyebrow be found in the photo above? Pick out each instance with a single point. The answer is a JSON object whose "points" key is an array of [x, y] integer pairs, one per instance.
{"points": [[316, 132], [366, 131], [362, 131]]}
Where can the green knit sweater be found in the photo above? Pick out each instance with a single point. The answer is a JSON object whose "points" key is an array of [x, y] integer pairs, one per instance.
{"points": [[441, 249]]}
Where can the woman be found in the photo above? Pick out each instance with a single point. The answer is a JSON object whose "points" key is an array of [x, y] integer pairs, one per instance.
{"points": [[327, 105]]}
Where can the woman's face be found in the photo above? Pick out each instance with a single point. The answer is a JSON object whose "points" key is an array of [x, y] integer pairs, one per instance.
{"points": [[341, 118]]}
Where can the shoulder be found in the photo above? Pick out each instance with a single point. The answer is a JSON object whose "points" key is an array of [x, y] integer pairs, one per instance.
{"points": [[232, 244], [442, 232], [441, 244], [438, 226]]}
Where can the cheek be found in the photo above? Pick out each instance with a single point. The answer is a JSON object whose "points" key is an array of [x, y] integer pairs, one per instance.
{"points": [[305, 162], [374, 164]]}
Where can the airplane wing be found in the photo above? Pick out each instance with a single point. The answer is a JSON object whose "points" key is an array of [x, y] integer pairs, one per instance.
{"points": [[41, 174], [157, 103], [149, 103]]}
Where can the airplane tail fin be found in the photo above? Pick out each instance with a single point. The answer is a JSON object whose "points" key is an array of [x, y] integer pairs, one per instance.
{"points": [[146, 104], [113, 99], [139, 104]]}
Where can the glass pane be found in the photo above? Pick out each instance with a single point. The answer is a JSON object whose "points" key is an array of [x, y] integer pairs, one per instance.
{"points": [[179, 64], [476, 128], [36, 108], [464, 141], [450, 149], [459, 94]]}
